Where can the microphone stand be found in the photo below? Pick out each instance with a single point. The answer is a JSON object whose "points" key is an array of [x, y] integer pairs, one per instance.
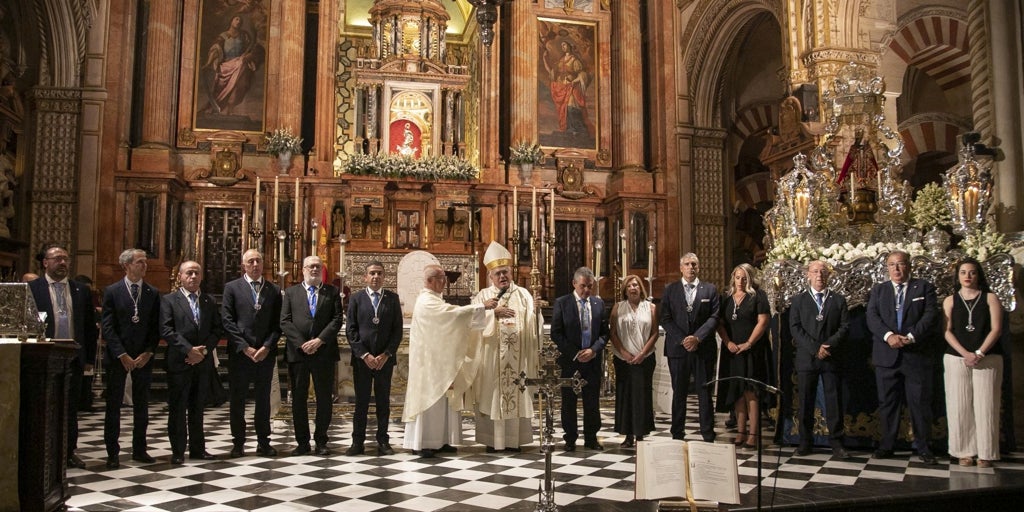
{"points": [[758, 386]]}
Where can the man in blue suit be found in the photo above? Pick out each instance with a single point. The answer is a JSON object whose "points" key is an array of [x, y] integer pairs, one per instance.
{"points": [[69, 316], [689, 315], [251, 310], [579, 329], [190, 323], [131, 330], [902, 317]]}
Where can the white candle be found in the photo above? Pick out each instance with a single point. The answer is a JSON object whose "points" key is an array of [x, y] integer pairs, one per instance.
{"points": [[256, 205], [533, 214], [625, 253], [597, 263], [296, 215], [341, 254], [650, 263], [551, 214], [312, 239], [277, 205], [515, 210], [280, 255]]}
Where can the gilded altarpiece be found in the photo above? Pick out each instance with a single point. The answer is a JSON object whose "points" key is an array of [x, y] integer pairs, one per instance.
{"points": [[708, 205]]}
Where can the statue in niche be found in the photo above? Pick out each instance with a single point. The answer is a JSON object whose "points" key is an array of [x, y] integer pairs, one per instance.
{"points": [[337, 220], [860, 164], [406, 147]]}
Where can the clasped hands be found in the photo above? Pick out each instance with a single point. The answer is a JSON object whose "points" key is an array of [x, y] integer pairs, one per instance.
{"points": [[499, 311], [897, 341], [131, 363], [375, 362], [196, 355], [311, 346], [690, 343], [737, 348], [257, 355]]}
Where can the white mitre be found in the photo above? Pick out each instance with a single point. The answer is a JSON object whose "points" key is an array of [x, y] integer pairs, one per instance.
{"points": [[497, 256]]}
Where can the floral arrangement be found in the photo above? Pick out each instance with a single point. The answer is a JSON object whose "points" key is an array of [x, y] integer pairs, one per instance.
{"points": [[984, 243], [397, 166], [282, 141], [847, 252], [931, 208], [524, 153], [792, 248]]}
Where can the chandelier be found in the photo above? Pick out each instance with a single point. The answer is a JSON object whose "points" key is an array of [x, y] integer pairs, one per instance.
{"points": [[486, 17]]}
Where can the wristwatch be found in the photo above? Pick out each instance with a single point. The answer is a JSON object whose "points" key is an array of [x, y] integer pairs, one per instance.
{"points": [[979, 353]]}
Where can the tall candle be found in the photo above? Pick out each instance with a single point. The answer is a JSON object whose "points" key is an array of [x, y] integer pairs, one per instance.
{"points": [[277, 205], [515, 209], [256, 204], [533, 213], [312, 238], [280, 255], [297, 215], [650, 263], [597, 263], [341, 254], [551, 214], [625, 252]]}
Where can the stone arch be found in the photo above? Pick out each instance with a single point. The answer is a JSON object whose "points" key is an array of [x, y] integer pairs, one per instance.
{"points": [[56, 33], [932, 132]]}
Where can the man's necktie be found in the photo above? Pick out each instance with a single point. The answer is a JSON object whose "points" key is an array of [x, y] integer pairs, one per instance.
{"points": [[312, 301], [584, 324], [819, 298], [135, 292], [375, 296], [899, 306], [193, 302], [62, 324]]}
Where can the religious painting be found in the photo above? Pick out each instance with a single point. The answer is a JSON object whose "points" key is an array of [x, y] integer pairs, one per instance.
{"points": [[367, 223], [230, 70], [406, 138], [567, 85], [451, 224], [407, 232]]}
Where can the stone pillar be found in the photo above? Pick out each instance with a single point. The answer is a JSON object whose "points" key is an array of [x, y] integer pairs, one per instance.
{"points": [[326, 120], [54, 117], [708, 206], [1005, 25], [981, 70], [160, 88], [289, 66], [627, 88], [523, 79]]}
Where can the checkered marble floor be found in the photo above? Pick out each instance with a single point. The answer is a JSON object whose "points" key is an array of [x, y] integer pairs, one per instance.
{"points": [[465, 481]]}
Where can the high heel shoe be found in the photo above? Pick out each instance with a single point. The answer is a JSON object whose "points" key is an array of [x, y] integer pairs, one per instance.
{"points": [[628, 443], [740, 439]]}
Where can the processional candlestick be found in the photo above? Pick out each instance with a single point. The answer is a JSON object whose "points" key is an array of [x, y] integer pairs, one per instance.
{"points": [[548, 382]]}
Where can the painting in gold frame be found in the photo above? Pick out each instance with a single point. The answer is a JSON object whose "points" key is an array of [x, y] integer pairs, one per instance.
{"points": [[567, 84], [230, 71]]}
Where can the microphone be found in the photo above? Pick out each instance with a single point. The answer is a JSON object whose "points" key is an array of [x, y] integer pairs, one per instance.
{"points": [[502, 292]]}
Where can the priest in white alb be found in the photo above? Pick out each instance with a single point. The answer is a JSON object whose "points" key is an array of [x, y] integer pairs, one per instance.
{"points": [[443, 342], [510, 347]]}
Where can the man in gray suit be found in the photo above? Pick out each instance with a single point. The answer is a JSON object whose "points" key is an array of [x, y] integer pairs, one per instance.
{"points": [[689, 315]]}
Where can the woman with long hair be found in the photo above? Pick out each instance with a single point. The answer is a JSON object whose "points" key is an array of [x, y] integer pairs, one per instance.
{"points": [[973, 365], [743, 327], [634, 330]]}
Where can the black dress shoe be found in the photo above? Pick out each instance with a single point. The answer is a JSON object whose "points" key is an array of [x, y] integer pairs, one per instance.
{"points": [[321, 449], [447, 448], [570, 447], [75, 462], [356, 449], [302, 449], [177, 459], [237, 452], [928, 458], [803, 450], [593, 445], [112, 462], [265, 450], [203, 455], [490, 449], [385, 449], [882, 453], [143, 457], [838, 452], [513, 449], [426, 454]]}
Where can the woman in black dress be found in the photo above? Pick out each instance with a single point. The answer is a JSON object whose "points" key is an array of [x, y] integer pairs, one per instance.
{"points": [[973, 366], [743, 327], [634, 331]]}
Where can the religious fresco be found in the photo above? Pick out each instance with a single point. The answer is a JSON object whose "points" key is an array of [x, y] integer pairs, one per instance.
{"points": [[567, 86], [231, 72]]}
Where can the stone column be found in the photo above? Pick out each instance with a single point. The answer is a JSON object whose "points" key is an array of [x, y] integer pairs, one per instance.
{"points": [[1005, 25], [708, 206], [981, 70], [326, 121], [627, 87], [289, 66], [523, 78], [160, 88], [54, 118]]}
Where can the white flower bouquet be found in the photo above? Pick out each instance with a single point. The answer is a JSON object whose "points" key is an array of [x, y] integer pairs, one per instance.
{"points": [[931, 208], [984, 243], [281, 140], [397, 166], [523, 152], [847, 252]]}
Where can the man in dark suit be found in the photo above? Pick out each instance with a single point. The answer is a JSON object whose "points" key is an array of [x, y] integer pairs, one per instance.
{"points": [[310, 319], [903, 317], [689, 315], [190, 324], [579, 329], [251, 310], [131, 330], [819, 322], [69, 316], [374, 331]]}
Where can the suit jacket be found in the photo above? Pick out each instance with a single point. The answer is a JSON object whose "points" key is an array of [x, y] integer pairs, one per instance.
{"points": [[678, 323], [83, 316], [810, 334], [244, 325], [920, 318], [181, 333], [567, 332], [123, 336], [363, 335], [299, 326]]}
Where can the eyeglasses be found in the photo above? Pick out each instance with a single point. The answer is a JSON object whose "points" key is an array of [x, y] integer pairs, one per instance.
{"points": [[898, 264], [314, 267]]}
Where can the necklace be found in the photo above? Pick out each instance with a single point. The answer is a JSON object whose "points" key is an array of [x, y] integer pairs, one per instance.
{"points": [[736, 305], [970, 310], [135, 303], [257, 289]]}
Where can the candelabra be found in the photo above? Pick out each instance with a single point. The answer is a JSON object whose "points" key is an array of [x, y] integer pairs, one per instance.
{"points": [[515, 254], [551, 264], [342, 240], [282, 235], [534, 269], [297, 248], [255, 234], [312, 236]]}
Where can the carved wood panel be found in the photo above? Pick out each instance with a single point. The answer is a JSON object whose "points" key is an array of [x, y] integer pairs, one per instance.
{"points": [[222, 247]]}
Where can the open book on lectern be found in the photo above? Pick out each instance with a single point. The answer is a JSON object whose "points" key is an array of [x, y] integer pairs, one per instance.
{"points": [[694, 471]]}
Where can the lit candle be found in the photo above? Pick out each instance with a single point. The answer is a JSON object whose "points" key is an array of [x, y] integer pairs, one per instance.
{"points": [[551, 214], [597, 263], [312, 238], [341, 254], [277, 205], [280, 252], [625, 252], [650, 262], [296, 215], [515, 210], [256, 205], [533, 213], [971, 203], [801, 205]]}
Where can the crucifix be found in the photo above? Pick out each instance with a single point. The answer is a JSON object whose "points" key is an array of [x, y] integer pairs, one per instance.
{"points": [[548, 382]]}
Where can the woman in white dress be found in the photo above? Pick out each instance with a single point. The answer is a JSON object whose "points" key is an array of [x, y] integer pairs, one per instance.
{"points": [[634, 330]]}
